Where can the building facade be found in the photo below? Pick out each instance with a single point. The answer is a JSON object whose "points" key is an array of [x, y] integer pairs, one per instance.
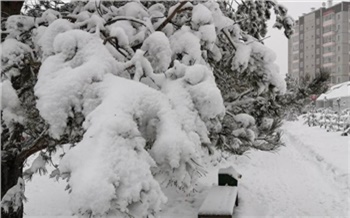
{"points": [[321, 40]]}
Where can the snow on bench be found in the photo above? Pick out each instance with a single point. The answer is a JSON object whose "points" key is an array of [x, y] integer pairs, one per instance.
{"points": [[220, 202], [222, 199], [228, 176]]}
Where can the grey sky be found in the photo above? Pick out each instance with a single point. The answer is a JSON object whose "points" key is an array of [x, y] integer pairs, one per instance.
{"points": [[278, 42]]}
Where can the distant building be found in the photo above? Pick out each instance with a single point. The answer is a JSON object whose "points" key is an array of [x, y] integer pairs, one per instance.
{"points": [[321, 40]]}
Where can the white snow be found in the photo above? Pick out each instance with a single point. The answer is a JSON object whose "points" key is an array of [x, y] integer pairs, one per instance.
{"points": [[244, 120], [38, 165], [81, 73], [220, 20], [14, 197], [207, 34], [219, 201], [10, 104], [47, 38], [306, 178], [337, 91], [201, 15], [186, 43], [50, 16], [17, 24], [230, 171], [13, 53], [158, 51]]}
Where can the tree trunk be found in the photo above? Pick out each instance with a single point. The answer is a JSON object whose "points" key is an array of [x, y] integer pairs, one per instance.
{"points": [[11, 170]]}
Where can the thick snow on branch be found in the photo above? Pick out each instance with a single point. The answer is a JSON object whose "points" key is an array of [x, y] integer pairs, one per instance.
{"points": [[69, 76], [46, 40], [132, 131], [158, 51], [10, 105], [18, 24], [13, 55]]}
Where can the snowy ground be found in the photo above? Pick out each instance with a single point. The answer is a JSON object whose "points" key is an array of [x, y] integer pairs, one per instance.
{"points": [[307, 177]]}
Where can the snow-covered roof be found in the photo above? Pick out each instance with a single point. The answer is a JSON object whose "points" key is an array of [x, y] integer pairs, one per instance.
{"points": [[337, 91]]}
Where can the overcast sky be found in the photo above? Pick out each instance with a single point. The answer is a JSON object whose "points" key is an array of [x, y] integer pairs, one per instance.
{"points": [[278, 42]]}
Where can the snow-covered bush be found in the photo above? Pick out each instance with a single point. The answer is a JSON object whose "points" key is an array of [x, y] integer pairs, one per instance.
{"points": [[134, 88], [329, 119]]}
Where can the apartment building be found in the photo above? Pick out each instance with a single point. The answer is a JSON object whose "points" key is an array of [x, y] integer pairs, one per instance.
{"points": [[321, 39]]}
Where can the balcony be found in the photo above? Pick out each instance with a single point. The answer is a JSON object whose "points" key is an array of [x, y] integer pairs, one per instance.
{"points": [[327, 54], [328, 22], [328, 44], [328, 64]]}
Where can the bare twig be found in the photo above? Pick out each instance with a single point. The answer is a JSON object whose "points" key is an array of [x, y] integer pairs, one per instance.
{"points": [[98, 8], [115, 45], [170, 17], [229, 38], [260, 40], [243, 94], [229, 113], [132, 19]]}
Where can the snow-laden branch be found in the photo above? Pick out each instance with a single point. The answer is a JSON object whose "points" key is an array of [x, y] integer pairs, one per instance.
{"points": [[171, 16], [131, 19], [121, 117]]}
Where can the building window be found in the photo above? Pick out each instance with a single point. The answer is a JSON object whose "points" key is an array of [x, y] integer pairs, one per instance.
{"points": [[301, 36], [318, 51], [338, 16], [318, 31], [317, 61], [338, 58]]}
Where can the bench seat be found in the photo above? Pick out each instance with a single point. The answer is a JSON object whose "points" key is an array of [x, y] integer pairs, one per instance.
{"points": [[219, 202]]}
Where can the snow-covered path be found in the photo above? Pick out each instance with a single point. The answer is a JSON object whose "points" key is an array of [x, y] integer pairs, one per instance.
{"points": [[288, 183], [307, 177]]}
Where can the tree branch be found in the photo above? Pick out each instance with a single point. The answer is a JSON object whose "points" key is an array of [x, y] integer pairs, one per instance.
{"points": [[229, 38], [132, 19], [39, 144], [170, 17], [108, 39]]}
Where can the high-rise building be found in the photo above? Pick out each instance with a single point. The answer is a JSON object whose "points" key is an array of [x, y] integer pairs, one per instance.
{"points": [[321, 39]]}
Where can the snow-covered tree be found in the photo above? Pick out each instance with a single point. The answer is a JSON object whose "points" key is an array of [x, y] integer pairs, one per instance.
{"points": [[299, 94], [143, 91]]}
